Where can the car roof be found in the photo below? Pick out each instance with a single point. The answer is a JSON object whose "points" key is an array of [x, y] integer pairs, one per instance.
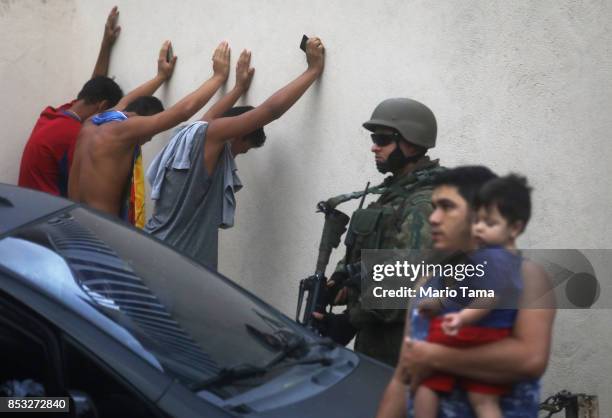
{"points": [[19, 206]]}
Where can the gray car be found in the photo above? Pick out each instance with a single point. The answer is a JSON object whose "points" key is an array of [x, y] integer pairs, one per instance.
{"points": [[124, 325]]}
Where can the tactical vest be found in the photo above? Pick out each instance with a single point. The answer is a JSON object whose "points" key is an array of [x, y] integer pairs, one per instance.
{"points": [[377, 226]]}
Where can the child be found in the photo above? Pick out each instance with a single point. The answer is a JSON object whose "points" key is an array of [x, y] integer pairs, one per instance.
{"points": [[503, 209]]}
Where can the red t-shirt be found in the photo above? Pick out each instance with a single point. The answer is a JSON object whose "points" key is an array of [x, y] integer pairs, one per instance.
{"points": [[46, 159]]}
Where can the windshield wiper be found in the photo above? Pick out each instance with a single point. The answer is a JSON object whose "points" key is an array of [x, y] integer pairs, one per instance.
{"points": [[293, 347], [233, 374]]}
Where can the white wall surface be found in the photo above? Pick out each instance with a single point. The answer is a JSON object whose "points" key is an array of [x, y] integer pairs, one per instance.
{"points": [[522, 86], [37, 47]]}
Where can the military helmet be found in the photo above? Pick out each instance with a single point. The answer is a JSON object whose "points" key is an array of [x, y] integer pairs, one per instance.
{"points": [[413, 120]]}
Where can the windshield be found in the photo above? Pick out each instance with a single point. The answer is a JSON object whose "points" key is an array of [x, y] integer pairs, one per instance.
{"points": [[191, 320]]}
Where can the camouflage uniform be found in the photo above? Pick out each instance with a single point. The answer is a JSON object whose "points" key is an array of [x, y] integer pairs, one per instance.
{"points": [[397, 220]]}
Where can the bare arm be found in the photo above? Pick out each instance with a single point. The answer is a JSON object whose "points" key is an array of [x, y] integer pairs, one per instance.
{"points": [[164, 72], [523, 355], [274, 107], [474, 312], [111, 32], [454, 321], [393, 403], [244, 75], [138, 127]]}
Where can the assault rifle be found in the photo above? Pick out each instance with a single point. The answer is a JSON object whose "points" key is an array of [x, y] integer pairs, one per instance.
{"points": [[318, 295], [315, 287]]}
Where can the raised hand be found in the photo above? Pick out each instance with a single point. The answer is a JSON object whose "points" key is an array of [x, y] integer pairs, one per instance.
{"points": [[315, 54], [165, 68], [244, 72], [111, 29], [111, 32], [221, 61]]}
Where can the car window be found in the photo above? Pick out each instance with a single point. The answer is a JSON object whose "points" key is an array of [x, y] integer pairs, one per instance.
{"points": [[110, 396], [24, 365], [29, 350], [191, 320]]}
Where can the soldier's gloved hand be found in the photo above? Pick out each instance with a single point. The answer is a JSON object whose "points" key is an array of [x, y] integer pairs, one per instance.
{"points": [[354, 282], [335, 286], [320, 323], [335, 326], [341, 297]]}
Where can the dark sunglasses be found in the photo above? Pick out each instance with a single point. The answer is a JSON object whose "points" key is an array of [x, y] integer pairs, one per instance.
{"points": [[382, 140]]}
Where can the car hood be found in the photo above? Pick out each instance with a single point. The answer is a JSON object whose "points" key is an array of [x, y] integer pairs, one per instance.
{"points": [[357, 395]]}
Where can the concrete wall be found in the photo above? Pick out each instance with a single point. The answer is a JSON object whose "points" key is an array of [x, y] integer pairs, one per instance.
{"points": [[522, 86], [38, 47]]}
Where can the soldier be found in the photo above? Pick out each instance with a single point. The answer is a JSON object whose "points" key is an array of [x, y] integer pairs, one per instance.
{"points": [[403, 130]]}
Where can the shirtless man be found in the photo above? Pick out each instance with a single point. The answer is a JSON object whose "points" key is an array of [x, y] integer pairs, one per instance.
{"points": [[48, 154], [104, 153], [192, 203]]}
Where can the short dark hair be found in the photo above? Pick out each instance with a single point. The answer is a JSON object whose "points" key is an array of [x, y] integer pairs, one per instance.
{"points": [[145, 106], [511, 195], [468, 180], [258, 136], [101, 88]]}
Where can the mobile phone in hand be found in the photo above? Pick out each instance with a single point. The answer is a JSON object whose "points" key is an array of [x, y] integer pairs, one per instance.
{"points": [[169, 54], [303, 43]]}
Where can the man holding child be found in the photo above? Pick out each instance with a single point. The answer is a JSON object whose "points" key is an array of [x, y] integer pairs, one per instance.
{"points": [[515, 360]]}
